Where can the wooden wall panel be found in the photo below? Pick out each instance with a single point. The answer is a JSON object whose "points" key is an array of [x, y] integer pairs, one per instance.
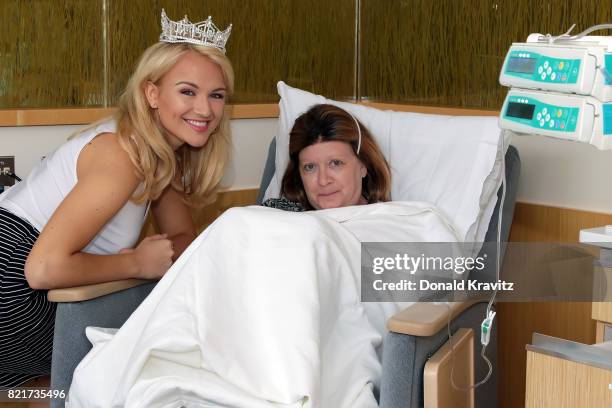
{"points": [[51, 53], [308, 43], [450, 52], [518, 321], [82, 116], [80, 53], [77, 53], [555, 382]]}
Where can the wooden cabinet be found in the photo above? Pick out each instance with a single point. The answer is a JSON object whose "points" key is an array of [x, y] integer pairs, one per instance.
{"points": [[562, 373], [557, 382]]}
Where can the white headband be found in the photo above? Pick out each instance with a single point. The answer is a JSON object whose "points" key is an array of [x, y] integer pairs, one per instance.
{"points": [[358, 131]]}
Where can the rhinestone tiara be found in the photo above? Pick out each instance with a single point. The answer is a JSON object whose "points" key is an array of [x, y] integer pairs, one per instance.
{"points": [[202, 33]]}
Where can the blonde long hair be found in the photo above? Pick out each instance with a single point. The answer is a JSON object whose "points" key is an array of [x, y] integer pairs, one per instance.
{"points": [[196, 172]]}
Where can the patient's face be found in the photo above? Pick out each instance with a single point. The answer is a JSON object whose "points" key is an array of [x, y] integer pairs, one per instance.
{"points": [[331, 173]]}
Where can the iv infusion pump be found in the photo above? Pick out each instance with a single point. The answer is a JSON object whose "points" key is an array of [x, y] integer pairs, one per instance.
{"points": [[570, 117], [560, 87], [573, 67]]}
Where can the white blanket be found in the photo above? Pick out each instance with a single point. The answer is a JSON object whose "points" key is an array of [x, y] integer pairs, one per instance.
{"points": [[262, 310]]}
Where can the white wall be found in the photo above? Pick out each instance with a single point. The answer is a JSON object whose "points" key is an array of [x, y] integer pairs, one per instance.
{"points": [[251, 138], [564, 174], [30, 143], [554, 172]]}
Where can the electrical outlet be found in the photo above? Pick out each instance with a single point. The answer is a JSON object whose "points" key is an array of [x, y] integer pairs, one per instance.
{"points": [[7, 166]]}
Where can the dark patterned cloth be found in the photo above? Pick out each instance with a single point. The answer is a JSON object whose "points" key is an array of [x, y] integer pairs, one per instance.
{"points": [[283, 204], [26, 316]]}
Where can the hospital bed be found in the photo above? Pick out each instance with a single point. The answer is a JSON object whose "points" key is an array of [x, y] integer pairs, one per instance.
{"points": [[415, 334]]}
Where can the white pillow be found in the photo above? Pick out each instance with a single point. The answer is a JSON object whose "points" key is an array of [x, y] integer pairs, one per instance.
{"points": [[453, 162]]}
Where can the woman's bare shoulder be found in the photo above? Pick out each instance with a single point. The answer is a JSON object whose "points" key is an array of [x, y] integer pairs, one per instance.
{"points": [[104, 154]]}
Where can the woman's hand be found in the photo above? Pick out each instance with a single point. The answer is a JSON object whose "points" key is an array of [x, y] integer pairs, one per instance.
{"points": [[153, 256]]}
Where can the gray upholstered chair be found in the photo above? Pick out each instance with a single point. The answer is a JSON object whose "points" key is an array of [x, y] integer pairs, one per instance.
{"points": [[415, 334]]}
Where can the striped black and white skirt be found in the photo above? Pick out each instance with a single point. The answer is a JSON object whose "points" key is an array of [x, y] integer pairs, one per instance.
{"points": [[26, 316]]}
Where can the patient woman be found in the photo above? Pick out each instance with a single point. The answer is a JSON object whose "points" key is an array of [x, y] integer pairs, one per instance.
{"points": [[333, 162], [251, 315]]}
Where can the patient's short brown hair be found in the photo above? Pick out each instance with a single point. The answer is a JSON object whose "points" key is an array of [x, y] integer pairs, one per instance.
{"points": [[326, 123]]}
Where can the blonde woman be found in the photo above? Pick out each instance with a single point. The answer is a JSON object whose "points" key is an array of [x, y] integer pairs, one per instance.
{"points": [[77, 218]]}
